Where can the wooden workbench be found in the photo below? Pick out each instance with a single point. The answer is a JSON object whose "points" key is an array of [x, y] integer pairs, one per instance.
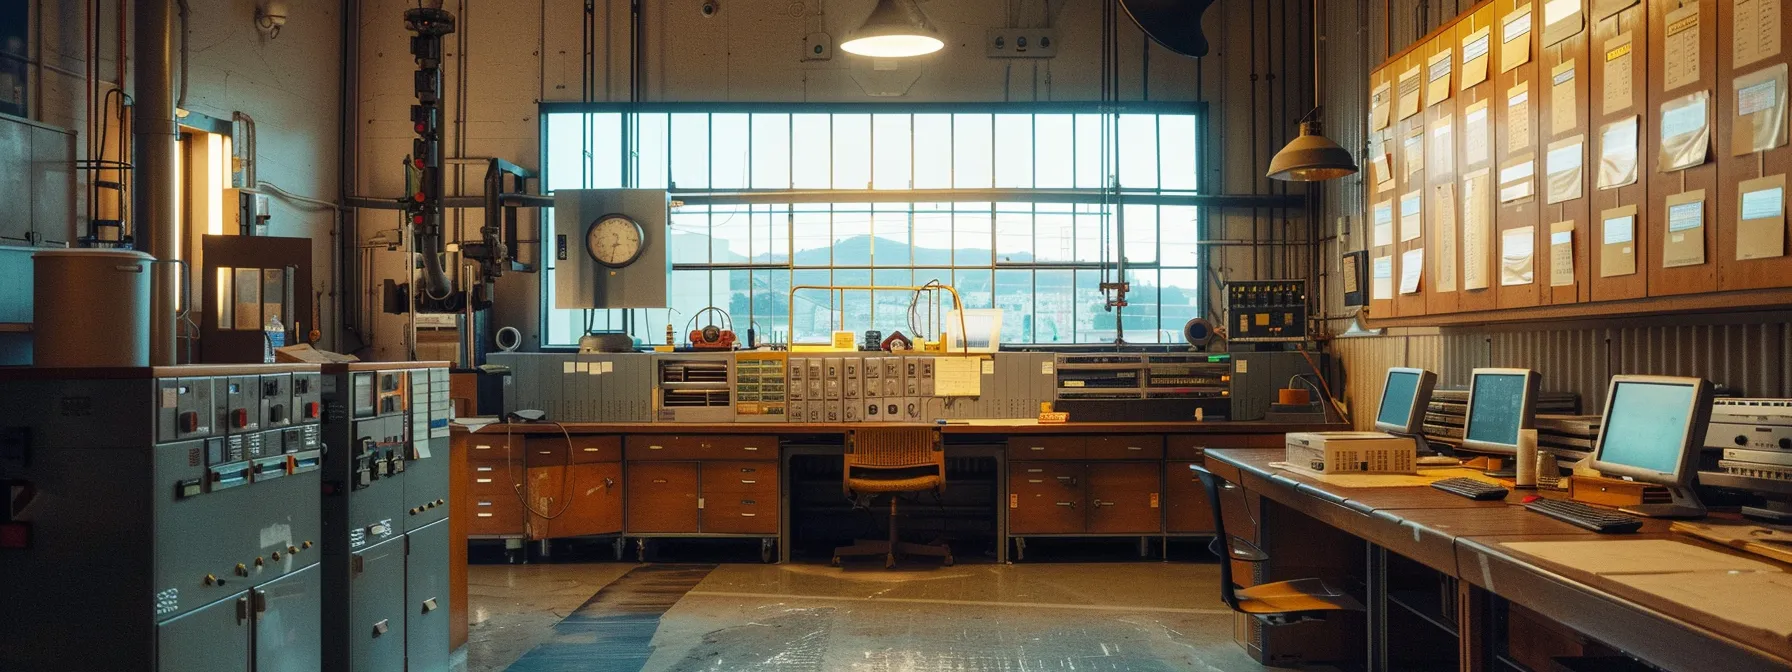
{"points": [[1465, 539]]}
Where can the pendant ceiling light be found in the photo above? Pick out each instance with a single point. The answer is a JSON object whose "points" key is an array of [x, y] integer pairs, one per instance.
{"points": [[1312, 157], [895, 29]]}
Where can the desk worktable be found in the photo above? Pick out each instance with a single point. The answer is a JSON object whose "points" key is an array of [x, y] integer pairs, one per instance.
{"points": [[1465, 539]]}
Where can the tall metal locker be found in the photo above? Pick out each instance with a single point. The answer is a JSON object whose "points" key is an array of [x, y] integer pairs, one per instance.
{"points": [[167, 518]]}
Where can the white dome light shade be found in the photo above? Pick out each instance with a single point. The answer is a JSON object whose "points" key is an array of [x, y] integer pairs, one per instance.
{"points": [[895, 29]]}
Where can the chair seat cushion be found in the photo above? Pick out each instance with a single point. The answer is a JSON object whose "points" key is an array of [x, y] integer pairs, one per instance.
{"points": [[1300, 595], [908, 484]]}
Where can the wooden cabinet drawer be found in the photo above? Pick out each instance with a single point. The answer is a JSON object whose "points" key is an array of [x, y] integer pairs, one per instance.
{"points": [[1045, 498], [1194, 446], [491, 447], [662, 497], [702, 447], [583, 500], [1124, 498], [1125, 447], [758, 478], [550, 450], [740, 512], [1186, 509], [498, 514], [1045, 447], [493, 477]]}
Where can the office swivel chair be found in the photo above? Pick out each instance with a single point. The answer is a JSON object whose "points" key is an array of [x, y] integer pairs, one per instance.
{"points": [[891, 461], [1279, 603]]}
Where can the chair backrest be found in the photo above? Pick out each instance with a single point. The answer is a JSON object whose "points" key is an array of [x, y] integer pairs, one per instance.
{"points": [[894, 448], [1235, 548]]}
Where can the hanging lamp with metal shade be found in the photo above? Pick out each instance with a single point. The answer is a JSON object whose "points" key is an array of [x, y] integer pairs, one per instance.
{"points": [[1312, 157], [895, 29]]}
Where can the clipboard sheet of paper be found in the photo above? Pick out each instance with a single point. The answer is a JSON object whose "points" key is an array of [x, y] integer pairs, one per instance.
{"points": [[1443, 238], [1517, 254], [1381, 107], [957, 377], [1413, 150], [1638, 556], [1756, 32], [1761, 218], [1685, 243], [1476, 136], [1685, 131], [1616, 94], [1412, 215], [1412, 265], [1382, 224], [1475, 50], [1563, 111], [1443, 147], [1561, 20], [1617, 242], [1410, 88], [1381, 278], [1518, 179], [1617, 154], [1518, 117], [1760, 122], [1680, 56], [1561, 254], [1515, 38], [1563, 170], [1437, 77], [1477, 213]]}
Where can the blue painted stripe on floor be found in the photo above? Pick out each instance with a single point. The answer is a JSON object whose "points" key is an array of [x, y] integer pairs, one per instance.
{"points": [[613, 631]]}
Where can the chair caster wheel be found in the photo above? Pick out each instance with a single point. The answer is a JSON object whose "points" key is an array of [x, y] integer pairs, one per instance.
{"points": [[890, 561], [948, 561], [836, 561]]}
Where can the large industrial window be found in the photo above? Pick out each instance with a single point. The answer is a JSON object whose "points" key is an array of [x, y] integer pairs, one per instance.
{"points": [[1008, 207]]}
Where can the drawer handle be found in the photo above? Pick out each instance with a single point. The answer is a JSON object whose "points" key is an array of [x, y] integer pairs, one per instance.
{"points": [[1135, 447], [481, 447], [748, 515], [1035, 471], [748, 481], [590, 450], [544, 452], [749, 447], [482, 504], [485, 515], [1037, 448], [1099, 503], [659, 480], [1069, 504], [656, 447], [1035, 480], [482, 469], [1068, 481], [482, 480]]}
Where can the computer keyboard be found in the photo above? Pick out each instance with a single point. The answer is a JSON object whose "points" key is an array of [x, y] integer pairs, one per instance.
{"points": [[1581, 515], [1470, 488]]}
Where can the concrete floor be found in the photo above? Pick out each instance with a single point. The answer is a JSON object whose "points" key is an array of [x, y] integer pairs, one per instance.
{"points": [[1142, 616]]}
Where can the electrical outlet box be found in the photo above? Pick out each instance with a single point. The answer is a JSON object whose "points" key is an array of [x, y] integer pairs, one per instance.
{"points": [[818, 47], [1021, 43]]}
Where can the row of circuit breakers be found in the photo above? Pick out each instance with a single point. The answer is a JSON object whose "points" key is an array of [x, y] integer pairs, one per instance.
{"points": [[226, 518]]}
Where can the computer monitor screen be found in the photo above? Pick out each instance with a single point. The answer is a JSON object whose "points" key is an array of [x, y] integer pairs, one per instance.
{"points": [[1499, 404], [1403, 399], [1648, 427]]}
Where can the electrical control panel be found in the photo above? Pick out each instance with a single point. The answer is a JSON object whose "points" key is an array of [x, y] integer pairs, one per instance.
{"points": [[385, 494], [168, 510], [1266, 311], [760, 384]]}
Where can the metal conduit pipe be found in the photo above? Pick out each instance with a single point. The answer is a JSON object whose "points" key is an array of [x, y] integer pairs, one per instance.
{"points": [[153, 203]]}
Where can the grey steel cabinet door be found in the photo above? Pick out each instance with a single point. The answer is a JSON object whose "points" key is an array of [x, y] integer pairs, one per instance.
{"points": [[426, 599], [376, 607], [288, 622], [213, 638]]}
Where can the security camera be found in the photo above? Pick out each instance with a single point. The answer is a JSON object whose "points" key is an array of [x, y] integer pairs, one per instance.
{"points": [[709, 8], [270, 16]]}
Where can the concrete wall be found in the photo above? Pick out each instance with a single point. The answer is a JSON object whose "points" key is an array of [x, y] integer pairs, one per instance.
{"points": [[289, 85], [507, 56], [1748, 353]]}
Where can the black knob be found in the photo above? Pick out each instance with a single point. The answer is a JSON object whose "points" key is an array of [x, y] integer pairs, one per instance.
{"points": [[1785, 444], [1741, 440]]}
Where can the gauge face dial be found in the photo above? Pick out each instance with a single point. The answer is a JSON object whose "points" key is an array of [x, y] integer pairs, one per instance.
{"points": [[614, 240]]}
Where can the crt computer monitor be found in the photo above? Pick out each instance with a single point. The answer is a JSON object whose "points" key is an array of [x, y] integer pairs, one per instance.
{"points": [[1651, 432], [1500, 402], [1405, 394]]}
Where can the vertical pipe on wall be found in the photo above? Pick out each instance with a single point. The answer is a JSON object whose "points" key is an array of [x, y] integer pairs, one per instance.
{"points": [[153, 195]]}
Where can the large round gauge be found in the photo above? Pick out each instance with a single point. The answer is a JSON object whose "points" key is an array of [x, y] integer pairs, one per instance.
{"points": [[614, 240]]}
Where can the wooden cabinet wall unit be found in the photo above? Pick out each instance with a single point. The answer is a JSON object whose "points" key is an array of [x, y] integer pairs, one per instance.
{"points": [[1074, 485], [1587, 72], [1734, 170], [702, 484], [576, 496]]}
